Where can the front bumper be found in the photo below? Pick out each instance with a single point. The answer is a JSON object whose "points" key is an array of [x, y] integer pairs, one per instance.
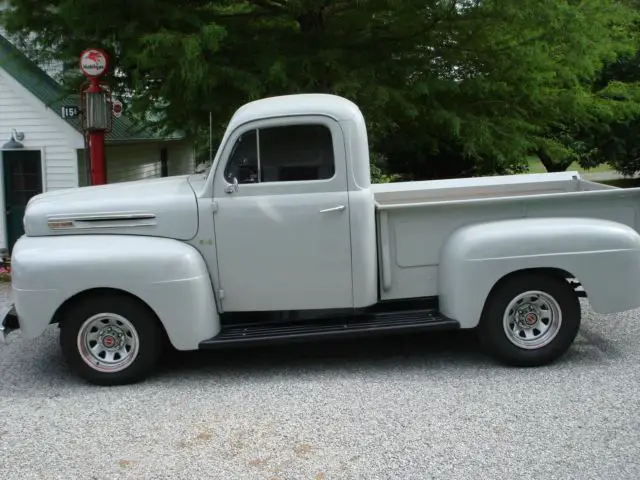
{"points": [[8, 321]]}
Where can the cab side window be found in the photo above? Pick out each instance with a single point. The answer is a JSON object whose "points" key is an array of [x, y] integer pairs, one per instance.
{"points": [[282, 154]]}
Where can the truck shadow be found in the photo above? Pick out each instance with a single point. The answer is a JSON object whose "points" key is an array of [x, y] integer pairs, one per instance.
{"points": [[423, 351], [404, 351]]}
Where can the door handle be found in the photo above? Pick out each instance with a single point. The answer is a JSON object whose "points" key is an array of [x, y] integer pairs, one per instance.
{"points": [[339, 208]]}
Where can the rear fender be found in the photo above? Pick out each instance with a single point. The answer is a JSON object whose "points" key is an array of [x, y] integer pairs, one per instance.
{"points": [[170, 276], [603, 255]]}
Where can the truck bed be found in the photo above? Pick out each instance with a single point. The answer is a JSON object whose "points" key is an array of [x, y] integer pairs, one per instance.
{"points": [[414, 219]]}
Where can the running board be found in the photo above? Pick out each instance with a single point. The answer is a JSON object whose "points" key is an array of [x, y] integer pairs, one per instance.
{"points": [[380, 323]]}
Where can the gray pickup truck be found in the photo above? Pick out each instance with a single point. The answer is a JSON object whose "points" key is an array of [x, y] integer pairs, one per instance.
{"points": [[285, 238]]}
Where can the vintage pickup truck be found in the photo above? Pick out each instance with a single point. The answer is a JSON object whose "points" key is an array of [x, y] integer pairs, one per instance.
{"points": [[284, 238]]}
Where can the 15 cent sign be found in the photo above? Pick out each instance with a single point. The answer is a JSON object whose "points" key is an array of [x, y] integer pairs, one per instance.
{"points": [[93, 62]]}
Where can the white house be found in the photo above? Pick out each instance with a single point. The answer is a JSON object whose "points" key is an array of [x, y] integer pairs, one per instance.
{"points": [[52, 154]]}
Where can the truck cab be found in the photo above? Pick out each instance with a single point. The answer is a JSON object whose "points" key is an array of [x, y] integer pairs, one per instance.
{"points": [[288, 209]]}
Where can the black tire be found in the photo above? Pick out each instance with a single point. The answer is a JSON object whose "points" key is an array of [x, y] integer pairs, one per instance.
{"points": [[495, 340], [150, 338]]}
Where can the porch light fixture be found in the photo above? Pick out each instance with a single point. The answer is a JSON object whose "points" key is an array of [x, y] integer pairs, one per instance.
{"points": [[14, 141]]}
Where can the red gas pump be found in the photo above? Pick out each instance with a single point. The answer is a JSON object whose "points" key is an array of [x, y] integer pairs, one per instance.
{"points": [[96, 108]]}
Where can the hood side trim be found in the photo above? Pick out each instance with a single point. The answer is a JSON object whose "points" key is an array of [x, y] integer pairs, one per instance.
{"points": [[104, 220]]}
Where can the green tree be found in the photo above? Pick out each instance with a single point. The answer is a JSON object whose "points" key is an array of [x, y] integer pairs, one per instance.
{"points": [[602, 128], [448, 87], [613, 138]]}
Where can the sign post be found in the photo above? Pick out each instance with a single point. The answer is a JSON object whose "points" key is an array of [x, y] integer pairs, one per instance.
{"points": [[96, 111]]}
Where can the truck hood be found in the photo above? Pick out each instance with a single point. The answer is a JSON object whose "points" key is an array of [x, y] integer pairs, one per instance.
{"points": [[164, 207]]}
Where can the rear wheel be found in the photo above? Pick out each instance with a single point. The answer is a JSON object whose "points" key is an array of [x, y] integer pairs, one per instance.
{"points": [[530, 320], [111, 339]]}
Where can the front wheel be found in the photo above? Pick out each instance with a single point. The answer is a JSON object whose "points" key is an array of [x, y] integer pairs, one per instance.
{"points": [[110, 339], [530, 320]]}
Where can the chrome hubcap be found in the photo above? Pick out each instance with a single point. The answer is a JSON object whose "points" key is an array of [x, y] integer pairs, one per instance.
{"points": [[108, 342], [532, 319]]}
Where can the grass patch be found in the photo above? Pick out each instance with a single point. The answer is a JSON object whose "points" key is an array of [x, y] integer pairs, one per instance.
{"points": [[622, 182], [535, 166]]}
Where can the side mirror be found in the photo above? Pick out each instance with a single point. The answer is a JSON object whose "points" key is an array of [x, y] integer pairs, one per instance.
{"points": [[233, 188]]}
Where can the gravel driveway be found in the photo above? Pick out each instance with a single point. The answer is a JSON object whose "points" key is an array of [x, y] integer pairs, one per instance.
{"points": [[402, 408]]}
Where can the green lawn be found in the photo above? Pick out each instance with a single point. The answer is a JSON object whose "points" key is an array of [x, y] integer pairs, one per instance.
{"points": [[623, 182], [535, 166]]}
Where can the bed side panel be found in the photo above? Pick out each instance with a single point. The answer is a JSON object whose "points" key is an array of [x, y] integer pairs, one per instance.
{"points": [[409, 266]]}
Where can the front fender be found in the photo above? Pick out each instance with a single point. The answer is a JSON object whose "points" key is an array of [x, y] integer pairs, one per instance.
{"points": [[170, 276], [603, 255]]}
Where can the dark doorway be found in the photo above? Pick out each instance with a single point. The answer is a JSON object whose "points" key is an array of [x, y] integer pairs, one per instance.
{"points": [[22, 171]]}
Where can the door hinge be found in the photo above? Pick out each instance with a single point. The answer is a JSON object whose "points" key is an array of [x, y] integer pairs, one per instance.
{"points": [[214, 206], [220, 294]]}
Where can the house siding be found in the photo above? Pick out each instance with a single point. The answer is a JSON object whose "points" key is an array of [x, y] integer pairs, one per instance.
{"points": [[181, 159], [59, 155], [126, 163]]}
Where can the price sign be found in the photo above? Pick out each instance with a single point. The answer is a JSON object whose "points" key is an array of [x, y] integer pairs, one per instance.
{"points": [[70, 111]]}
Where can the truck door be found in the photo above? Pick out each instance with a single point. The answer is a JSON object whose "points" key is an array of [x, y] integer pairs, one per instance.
{"points": [[282, 229]]}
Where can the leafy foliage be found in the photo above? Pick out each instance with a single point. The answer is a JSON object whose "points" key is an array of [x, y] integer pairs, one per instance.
{"points": [[613, 138], [448, 88]]}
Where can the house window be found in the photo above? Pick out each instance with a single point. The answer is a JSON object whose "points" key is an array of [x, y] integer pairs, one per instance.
{"points": [[282, 154], [83, 171]]}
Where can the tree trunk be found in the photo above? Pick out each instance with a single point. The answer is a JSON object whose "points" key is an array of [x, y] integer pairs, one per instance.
{"points": [[311, 22], [549, 164]]}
